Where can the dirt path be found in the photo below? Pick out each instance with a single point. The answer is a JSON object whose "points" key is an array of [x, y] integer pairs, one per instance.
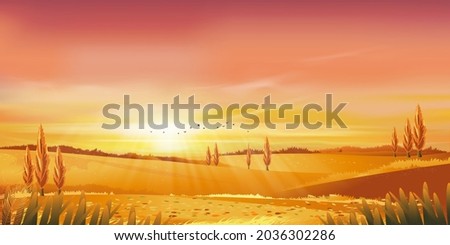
{"points": [[226, 210]]}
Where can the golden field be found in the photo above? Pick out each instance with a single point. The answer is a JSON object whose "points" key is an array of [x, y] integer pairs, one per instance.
{"points": [[230, 193]]}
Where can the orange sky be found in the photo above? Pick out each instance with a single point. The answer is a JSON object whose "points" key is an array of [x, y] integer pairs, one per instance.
{"points": [[61, 63]]}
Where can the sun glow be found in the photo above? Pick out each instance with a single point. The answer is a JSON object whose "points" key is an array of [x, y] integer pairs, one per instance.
{"points": [[159, 142]]}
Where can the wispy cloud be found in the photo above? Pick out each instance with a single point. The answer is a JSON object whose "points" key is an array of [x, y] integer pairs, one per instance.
{"points": [[340, 55], [270, 82]]}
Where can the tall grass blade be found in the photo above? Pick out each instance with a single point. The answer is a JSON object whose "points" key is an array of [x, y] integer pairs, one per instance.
{"points": [[439, 210], [330, 220], [46, 213], [19, 214], [157, 220], [377, 219], [105, 216], [323, 221], [69, 216], [32, 210], [413, 214], [120, 222], [132, 217], [402, 206], [353, 219], [109, 204], [114, 210], [147, 221], [365, 210], [95, 215], [363, 220], [339, 221], [81, 214], [391, 216], [57, 209], [429, 216], [448, 203], [6, 211], [402, 200], [402, 216]]}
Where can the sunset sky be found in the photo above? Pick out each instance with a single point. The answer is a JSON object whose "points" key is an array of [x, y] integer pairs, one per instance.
{"points": [[60, 63]]}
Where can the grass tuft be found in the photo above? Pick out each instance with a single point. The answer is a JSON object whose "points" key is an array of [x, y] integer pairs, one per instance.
{"points": [[404, 210], [28, 212]]}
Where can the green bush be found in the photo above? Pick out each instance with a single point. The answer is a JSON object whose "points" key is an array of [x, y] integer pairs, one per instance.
{"points": [[55, 208], [402, 210]]}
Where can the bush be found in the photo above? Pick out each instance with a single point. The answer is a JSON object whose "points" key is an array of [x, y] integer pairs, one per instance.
{"points": [[55, 209], [401, 210]]}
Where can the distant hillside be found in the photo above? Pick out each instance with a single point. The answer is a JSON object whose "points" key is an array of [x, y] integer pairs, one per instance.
{"points": [[378, 149], [96, 152], [289, 150], [375, 150], [377, 185]]}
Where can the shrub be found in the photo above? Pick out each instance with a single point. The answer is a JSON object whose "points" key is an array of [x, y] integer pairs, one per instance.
{"points": [[249, 156], [55, 209], [216, 155], [394, 142], [408, 139], [402, 210], [208, 157], [419, 132], [6, 211], [59, 170], [27, 168], [267, 154], [42, 159]]}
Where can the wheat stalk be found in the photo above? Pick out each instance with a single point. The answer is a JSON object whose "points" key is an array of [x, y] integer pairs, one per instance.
{"points": [[208, 157], [59, 170], [216, 155], [408, 139], [394, 142], [267, 154], [249, 156], [419, 132], [19, 213], [42, 160], [28, 168], [6, 211]]}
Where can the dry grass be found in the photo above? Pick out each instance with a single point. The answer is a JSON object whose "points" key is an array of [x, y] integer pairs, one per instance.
{"points": [[157, 177], [413, 163], [228, 195], [259, 220], [6, 210], [391, 167], [231, 176]]}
